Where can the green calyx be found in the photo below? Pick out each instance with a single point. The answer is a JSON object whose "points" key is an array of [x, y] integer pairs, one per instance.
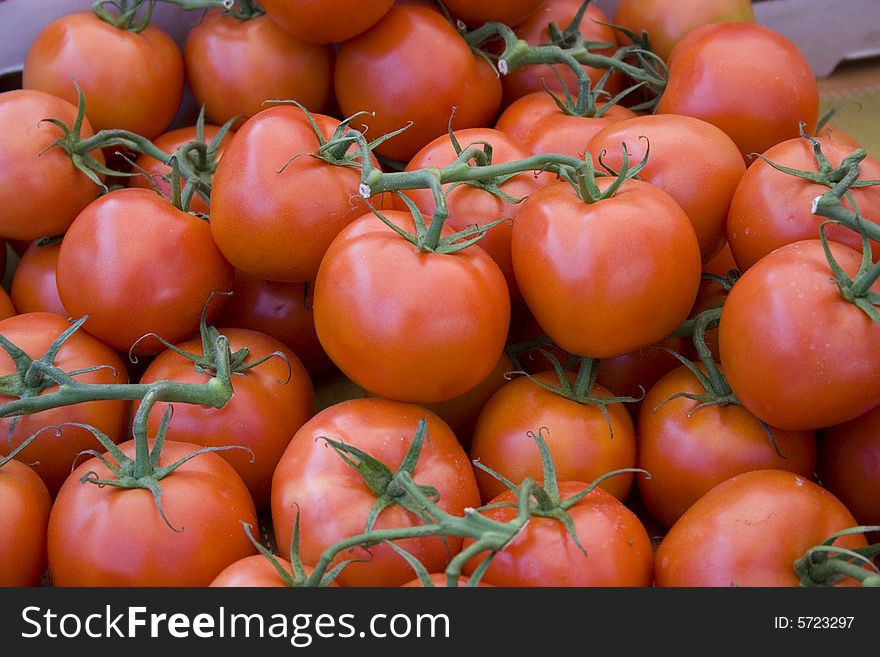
{"points": [[826, 565], [245, 10], [583, 178], [127, 15]]}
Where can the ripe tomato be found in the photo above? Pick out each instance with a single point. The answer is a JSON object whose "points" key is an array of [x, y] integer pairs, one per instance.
{"points": [[34, 289], [204, 500], [132, 81], [693, 161], [389, 71], [476, 12], [255, 570], [55, 190], [271, 402], [406, 324], [235, 65], [26, 503], [334, 501], [606, 278], [135, 264], [53, 455], [749, 530], [274, 209], [771, 208], [326, 21], [746, 79], [797, 354], [439, 581], [618, 550], [583, 444]]}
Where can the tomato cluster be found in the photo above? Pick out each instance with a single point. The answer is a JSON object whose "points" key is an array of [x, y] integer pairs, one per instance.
{"points": [[579, 297]]}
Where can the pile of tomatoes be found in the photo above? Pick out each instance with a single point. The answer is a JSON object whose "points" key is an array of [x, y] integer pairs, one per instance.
{"points": [[605, 315]]}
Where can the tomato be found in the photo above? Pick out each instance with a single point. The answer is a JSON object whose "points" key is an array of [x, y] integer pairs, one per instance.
{"points": [[389, 70], [132, 81], [55, 190], [476, 12], [204, 500], [135, 264], [606, 278], [334, 501], [749, 530], [797, 354], [771, 208], [235, 65], [667, 23], [849, 465], [255, 570], [274, 209], [439, 580], [693, 161], [469, 205], [282, 310], [326, 21], [583, 444], [618, 550], [688, 450], [535, 31], [34, 289], [6, 308], [157, 171], [270, 403], [53, 455], [746, 79], [538, 124], [406, 324], [26, 503]]}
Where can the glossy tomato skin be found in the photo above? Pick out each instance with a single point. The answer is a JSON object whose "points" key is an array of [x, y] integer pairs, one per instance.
{"points": [[270, 403], [543, 554], [274, 209], [746, 79], [26, 503], [849, 465], [606, 278], [688, 450], [55, 190], [406, 324], [204, 500], [135, 264], [53, 455], [797, 354], [132, 81], [333, 501], [583, 444], [771, 208], [390, 71], [34, 288], [234, 66], [749, 530], [326, 21], [693, 161]]}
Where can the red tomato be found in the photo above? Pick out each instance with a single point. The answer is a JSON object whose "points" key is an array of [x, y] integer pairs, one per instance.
{"points": [[389, 71], [749, 531], [135, 264], [204, 500], [771, 208], [439, 581], [55, 190], [53, 455], [26, 503], [797, 354], [132, 81], [255, 570], [234, 66], [274, 209], [618, 550], [746, 79], [476, 12], [693, 161], [334, 501], [271, 402], [406, 324], [604, 279], [583, 444], [34, 289], [326, 21]]}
